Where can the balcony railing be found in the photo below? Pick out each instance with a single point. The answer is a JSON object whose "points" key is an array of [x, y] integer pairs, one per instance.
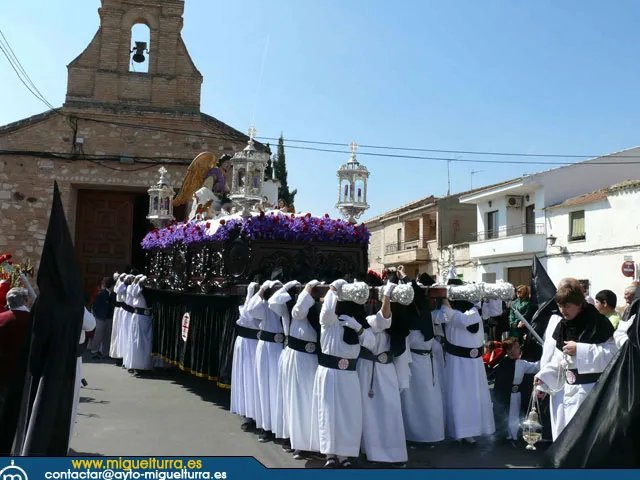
{"points": [[404, 246], [511, 231]]}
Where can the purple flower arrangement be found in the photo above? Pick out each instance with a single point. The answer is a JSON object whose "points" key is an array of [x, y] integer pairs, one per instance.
{"points": [[272, 226]]}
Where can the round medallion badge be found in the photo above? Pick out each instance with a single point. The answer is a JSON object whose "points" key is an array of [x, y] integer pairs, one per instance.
{"points": [[278, 337], [343, 364], [473, 353], [147, 312], [515, 389], [382, 358], [310, 347], [571, 377]]}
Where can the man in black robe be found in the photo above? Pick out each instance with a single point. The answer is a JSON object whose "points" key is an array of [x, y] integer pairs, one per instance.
{"points": [[56, 320], [605, 431]]}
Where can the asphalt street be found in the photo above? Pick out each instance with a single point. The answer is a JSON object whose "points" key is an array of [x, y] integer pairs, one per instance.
{"points": [[174, 413]]}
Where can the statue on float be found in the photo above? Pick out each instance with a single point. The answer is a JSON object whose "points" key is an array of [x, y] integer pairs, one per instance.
{"points": [[205, 185]]}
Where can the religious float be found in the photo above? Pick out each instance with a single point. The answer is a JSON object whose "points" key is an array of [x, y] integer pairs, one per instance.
{"points": [[198, 269]]}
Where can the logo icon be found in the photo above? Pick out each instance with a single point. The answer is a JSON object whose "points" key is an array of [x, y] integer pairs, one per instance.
{"points": [[473, 353], [13, 473], [343, 364], [310, 347], [278, 337], [382, 358]]}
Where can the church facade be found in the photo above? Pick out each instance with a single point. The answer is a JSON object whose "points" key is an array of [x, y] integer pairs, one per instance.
{"points": [[105, 145]]}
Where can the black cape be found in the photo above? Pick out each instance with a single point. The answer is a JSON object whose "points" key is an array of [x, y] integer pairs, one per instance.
{"points": [[56, 321], [503, 374], [605, 432]]}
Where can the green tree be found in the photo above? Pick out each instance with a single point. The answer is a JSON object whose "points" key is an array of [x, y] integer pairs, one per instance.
{"points": [[268, 171], [280, 169]]}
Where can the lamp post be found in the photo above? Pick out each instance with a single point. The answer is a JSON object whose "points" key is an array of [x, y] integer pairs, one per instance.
{"points": [[160, 202], [352, 187], [248, 175]]}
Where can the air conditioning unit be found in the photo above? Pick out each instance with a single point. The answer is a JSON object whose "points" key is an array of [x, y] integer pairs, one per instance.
{"points": [[514, 201]]}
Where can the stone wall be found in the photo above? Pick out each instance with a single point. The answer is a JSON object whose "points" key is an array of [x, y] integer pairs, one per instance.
{"points": [[27, 181]]}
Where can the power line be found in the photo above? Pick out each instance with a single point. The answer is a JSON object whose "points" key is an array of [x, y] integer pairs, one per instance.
{"points": [[17, 67]]}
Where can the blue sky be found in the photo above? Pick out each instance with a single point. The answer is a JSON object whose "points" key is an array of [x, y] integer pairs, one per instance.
{"points": [[491, 75]]}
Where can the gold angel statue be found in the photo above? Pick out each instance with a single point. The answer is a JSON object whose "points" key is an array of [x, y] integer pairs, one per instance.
{"points": [[205, 184]]}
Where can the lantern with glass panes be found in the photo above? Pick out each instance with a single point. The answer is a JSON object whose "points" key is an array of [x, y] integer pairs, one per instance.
{"points": [[352, 187], [248, 174], [161, 202]]}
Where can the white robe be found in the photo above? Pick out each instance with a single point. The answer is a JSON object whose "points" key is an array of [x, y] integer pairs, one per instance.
{"points": [[620, 335], [383, 438], [124, 331], [438, 353], [589, 358], [267, 357], [278, 304], [140, 335], [120, 290], [521, 369], [301, 375], [469, 411], [244, 379], [556, 411], [88, 324], [336, 412], [422, 402]]}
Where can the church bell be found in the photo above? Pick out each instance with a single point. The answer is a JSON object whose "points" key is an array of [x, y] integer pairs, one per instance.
{"points": [[140, 47]]}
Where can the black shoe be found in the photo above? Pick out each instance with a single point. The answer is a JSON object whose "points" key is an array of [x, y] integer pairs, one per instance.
{"points": [[332, 462], [286, 446], [297, 455], [248, 426], [265, 437]]}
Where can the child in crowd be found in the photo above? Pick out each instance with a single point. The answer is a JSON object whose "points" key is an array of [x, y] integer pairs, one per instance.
{"points": [[507, 398]]}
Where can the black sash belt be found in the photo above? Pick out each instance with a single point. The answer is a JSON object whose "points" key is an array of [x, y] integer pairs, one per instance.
{"points": [[270, 337], [301, 345], [462, 351], [119, 304], [575, 378], [127, 308], [337, 363], [384, 357], [425, 353], [246, 332], [142, 311]]}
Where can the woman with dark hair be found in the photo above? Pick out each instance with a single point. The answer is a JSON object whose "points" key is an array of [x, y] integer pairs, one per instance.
{"points": [[523, 305], [577, 348]]}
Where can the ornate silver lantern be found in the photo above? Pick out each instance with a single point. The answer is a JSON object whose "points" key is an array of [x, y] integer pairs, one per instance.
{"points": [[352, 187], [248, 175], [161, 202]]}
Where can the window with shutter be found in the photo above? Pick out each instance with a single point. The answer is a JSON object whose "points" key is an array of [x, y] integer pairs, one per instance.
{"points": [[576, 226]]}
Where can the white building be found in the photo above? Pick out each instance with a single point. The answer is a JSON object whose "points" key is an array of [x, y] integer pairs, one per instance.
{"points": [[514, 222], [593, 235]]}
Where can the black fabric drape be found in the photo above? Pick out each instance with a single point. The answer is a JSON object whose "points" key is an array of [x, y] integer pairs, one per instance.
{"points": [[44, 421], [208, 351], [605, 432]]}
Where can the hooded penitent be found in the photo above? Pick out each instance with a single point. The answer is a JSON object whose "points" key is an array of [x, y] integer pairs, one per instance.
{"points": [[56, 321], [605, 432]]}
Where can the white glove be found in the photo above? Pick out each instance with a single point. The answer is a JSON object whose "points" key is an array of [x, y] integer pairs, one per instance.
{"points": [[313, 283], [266, 286], [350, 322], [289, 285], [251, 289], [387, 289], [338, 285]]}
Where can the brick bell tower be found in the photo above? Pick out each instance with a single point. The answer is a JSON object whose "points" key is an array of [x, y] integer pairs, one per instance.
{"points": [[99, 78]]}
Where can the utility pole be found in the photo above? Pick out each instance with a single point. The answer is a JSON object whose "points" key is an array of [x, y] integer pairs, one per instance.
{"points": [[473, 172]]}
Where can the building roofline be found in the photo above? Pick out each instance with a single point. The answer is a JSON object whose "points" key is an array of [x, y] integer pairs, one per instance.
{"points": [[26, 122], [597, 195]]}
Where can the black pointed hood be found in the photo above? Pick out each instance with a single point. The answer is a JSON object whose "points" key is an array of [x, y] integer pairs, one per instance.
{"points": [[56, 317]]}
